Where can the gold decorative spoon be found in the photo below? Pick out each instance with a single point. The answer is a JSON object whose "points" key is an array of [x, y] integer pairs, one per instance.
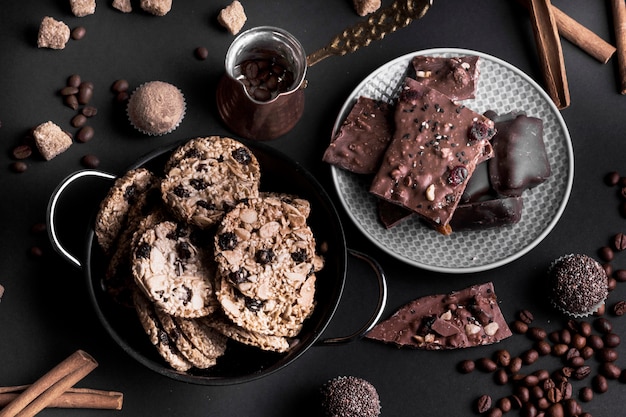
{"points": [[377, 25]]}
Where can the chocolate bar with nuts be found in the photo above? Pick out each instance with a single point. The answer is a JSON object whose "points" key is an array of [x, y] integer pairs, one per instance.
{"points": [[460, 319]]}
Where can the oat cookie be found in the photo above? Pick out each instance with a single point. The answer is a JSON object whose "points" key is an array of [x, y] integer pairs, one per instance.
{"points": [[174, 272], [204, 338], [182, 343], [158, 337], [247, 337], [113, 211], [265, 248], [199, 190]]}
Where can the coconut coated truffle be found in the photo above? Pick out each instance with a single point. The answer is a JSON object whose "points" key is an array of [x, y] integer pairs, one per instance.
{"points": [[349, 396], [156, 108]]}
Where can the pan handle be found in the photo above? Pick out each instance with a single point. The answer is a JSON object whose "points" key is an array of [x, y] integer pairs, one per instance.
{"points": [[382, 301], [52, 210]]}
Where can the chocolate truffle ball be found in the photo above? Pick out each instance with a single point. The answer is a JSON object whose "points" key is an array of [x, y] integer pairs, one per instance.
{"points": [[349, 396], [156, 108], [578, 285]]}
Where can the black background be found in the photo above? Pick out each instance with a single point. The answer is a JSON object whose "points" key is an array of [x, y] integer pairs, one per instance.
{"points": [[45, 313]]}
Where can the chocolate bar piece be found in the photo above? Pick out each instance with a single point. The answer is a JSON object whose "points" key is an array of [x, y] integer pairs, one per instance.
{"points": [[390, 214], [436, 146], [479, 185], [520, 159], [487, 214], [455, 77], [362, 139], [461, 319]]}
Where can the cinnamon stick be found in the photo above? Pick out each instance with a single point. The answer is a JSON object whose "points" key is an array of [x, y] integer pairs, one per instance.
{"points": [[550, 52], [580, 35], [50, 386], [72, 398], [619, 23]]}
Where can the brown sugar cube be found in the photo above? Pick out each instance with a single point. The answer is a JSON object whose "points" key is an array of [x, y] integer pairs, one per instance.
{"points": [[364, 7], [82, 8], [232, 17], [51, 140], [53, 34], [156, 7], [123, 6]]}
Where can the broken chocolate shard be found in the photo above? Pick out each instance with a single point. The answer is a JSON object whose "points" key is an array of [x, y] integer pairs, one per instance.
{"points": [[486, 214], [461, 319], [456, 77]]}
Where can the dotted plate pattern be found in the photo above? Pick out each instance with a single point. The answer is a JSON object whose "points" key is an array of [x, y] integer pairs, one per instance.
{"points": [[502, 88]]}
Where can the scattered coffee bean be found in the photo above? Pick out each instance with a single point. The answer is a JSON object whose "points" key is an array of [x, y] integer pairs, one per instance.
{"points": [[79, 120], [90, 161], [504, 404], [576, 361], [607, 355], [68, 91], [543, 347], [38, 228], [22, 151], [85, 134], [599, 384], [519, 326], [619, 242], [515, 366], [494, 412], [586, 394], [620, 275], [619, 308], [502, 357], [611, 340], [529, 410], [571, 407], [525, 316], [612, 178], [602, 325], [35, 252], [578, 341], [19, 167], [581, 372], [501, 377], [71, 102], [536, 333], [587, 352], [486, 365], [483, 403], [610, 370], [85, 92], [606, 253], [466, 366], [529, 356], [74, 80], [559, 349], [78, 33], [201, 53], [89, 111], [265, 78], [608, 268], [119, 86], [611, 284], [555, 410], [585, 328]]}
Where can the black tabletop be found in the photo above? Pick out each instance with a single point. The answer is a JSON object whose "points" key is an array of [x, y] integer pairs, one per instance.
{"points": [[45, 311]]}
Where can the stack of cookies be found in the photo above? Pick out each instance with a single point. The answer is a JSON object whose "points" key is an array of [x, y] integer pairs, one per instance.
{"points": [[204, 256]]}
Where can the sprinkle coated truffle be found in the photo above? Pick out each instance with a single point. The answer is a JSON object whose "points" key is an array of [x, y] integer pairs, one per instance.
{"points": [[156, 108], [579, 285], [349, 396]]}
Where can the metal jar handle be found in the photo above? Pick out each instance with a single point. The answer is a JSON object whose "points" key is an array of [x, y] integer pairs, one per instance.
{"points": [[380, 307], [52, 210]]}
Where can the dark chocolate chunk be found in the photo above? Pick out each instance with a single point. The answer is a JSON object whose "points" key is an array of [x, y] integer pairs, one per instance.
{"points": [[487, 214]]}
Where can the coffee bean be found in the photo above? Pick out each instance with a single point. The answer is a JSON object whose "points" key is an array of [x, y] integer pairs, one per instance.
{"points": [[119, 86], [529, 356], [530, 381], [536, 333], [71, 102], [620, 275], [608, 268], [35, 252], [599, 384], [19, 167], [587, 352], [122, 97], [523, 393], [85, 134], [619, 242], [619, 308], [504, 404], [529, 410], [554, 395], [595, 342], [90, 161], [78, 33], [600, 311], [515, 366], [519, 327], [494, 412], [89, 111], [611, 178], [607, 355], [576, 361], [525, 316], [542, 403], [542, 374], [578, 341], [85, 92], [22, 151], [483, 403], [610, 370], [581, 372], [603, 325], [555, 410], [543, 347], [516, 402], [201, 53], [611, 340], [586, 394], [501, 377], [68, 91], [486, 365], [606, 253], [611, 284], [571, 407], [466, 366], [73, 80], [502, 357], [585, 328], [79, 120], [559, 349], [566, 389]]}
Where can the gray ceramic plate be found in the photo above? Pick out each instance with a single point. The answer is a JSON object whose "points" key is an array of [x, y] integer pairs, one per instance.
{"points": [[503, 88]]}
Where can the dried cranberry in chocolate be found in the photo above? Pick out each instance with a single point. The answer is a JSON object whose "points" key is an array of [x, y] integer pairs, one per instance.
{"points": [[458, 175], [227, 241], [480, 131]]}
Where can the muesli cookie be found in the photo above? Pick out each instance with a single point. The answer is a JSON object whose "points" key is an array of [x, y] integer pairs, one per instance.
{"points": [[199, 190], [205, 338], [113, 210], [265, 248], [174, 272], [247, 337], [157, 336]]}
